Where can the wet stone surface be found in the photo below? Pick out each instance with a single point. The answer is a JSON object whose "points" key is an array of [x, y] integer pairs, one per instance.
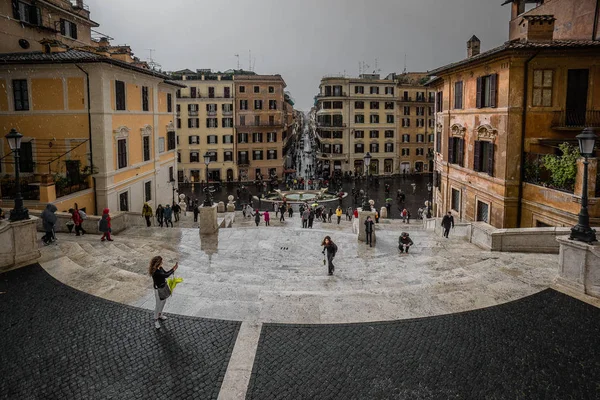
{"points": [[543, 346], [60, 343]]}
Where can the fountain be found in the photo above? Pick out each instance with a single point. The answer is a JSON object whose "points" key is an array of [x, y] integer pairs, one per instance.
{"points": [[301, 196]]}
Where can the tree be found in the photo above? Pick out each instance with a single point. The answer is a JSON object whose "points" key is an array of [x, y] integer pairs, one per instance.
{"points": [[563, 168]]}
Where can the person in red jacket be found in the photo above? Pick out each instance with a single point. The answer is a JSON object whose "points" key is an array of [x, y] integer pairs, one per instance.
{"points": [[77, 220], [104, 226], [356, 213]]}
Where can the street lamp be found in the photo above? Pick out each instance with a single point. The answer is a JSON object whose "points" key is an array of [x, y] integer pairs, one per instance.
{"points": [[172, 182], [582, 231], [19, 213], [207, 197], [366, 206]]}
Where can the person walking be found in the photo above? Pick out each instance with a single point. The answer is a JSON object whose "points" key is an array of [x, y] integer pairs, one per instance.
{"points": [[414, 187], [404, 215], [104, 226], [176, 210], [282, 212], [168, 213], [329, 215], [160, 212], [147, 214], [376, 216], [48, 222], [447, 223], [159, 280], [77, 220], [369, 231], [331, 249], [267, 217], [196, 212], [356, 213], [338, 214], [276, 209], [257, 216], [388, 206], [311, 217], [349, 214], [305, 215], [404, 242], [290, 211]]}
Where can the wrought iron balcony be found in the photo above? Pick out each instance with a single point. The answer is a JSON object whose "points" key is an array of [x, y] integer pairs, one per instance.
{"points": [[261, 124], [243, 163], [193, 113], [342, 94], [211, 113], [576, 119], [330, 125]]}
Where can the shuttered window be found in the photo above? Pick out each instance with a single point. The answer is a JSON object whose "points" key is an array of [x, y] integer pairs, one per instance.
{"points": [[458, 95], [483, 157], [120, 95], [487, 87], [146, 147], [122, 153], [20, 94], [67, 28], [171, 140], [145, 103], [456, 150]]}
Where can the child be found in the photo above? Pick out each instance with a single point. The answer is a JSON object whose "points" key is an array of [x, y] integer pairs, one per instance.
{"points": [[104, 226]]}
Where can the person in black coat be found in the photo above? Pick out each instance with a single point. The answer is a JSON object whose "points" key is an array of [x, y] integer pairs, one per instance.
{"points": [[331, 249], [447, 223], [404, 242], [369, 231], [159, 278]]}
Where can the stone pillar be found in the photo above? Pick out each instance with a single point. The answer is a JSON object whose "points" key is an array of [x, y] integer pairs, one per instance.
{"points": [[362, 217], [18, 243], [208, 220], [221, 207], [579, 266], [592, 171], [230, 204]]}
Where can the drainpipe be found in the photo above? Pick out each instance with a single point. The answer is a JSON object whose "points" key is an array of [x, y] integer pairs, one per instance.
{"points": [[89, 105], [523, 131], [595, 31]]}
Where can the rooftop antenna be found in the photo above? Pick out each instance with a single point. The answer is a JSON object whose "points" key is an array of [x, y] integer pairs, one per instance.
{"points": [[249, 60], [254, 64], [404, 64], [238, 61], [151, 63]]}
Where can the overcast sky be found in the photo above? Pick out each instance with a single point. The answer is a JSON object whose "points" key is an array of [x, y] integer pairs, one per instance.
{"points": [[302, 40]]}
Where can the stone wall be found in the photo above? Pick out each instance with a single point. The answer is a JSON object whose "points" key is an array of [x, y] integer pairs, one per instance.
{"points": [[119, 221], [18, 243], [517, 240]]}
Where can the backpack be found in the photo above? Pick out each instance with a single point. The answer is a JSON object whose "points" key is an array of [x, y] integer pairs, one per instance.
{"points": [[82, 214]]}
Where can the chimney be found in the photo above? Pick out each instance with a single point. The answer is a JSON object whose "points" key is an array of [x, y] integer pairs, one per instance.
{"points": [[473, 46], [538, 27]]}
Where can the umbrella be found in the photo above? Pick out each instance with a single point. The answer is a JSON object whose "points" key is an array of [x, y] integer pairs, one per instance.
{"points": [[315, 204], [388, 200], [172, 282]]}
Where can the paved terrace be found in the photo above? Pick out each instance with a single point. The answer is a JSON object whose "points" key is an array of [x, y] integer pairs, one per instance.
{"points": [[266, 290]]}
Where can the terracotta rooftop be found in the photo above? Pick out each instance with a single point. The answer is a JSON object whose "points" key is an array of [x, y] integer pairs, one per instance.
{"points": [[521, 45], [73, 56]]}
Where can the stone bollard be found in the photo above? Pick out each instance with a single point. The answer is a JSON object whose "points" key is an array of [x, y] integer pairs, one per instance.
{"points": [[230, 204], [579, 266], [208, 220], [221, 207], [383, 213], [362, 217]]}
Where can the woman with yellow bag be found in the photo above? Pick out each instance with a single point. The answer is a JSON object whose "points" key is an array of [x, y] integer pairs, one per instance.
{"points": [[162, 290]]}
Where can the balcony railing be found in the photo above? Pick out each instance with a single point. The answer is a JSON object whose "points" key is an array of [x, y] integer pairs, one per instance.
{"points": [[330, 125], [70, 189], [343, 94], [227, 113], [260, 124], [29, 191], [193, 113], [574, 119], [243, 163]]}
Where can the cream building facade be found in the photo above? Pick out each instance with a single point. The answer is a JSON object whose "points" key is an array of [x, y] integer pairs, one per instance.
{"points": [[390, 118], [205, 123]]}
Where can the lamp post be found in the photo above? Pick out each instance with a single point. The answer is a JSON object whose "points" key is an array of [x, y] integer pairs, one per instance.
{"points": [[582, 231], [366, 206], [207, 197], [19, 213], [172, 182]]}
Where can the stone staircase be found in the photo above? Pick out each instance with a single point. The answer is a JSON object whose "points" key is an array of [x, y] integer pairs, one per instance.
{"points": [[276, 273]]}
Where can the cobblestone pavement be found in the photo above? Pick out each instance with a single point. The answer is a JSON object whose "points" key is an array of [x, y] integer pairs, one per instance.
{"points": [[59, 343], [546, 346]]}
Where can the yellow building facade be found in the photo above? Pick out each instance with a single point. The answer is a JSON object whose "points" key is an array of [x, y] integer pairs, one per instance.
{"points": [[98, 125], [205, 123]]}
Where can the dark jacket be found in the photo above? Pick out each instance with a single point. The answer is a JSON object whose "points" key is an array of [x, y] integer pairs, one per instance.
{"points": [[311, 215], [159, 277], [160, 212], [257, 215], [331, 249], [48, 217], [168, 212], [405, 240], [176, 208], [448, 221], [369, 226], [104, 224]]}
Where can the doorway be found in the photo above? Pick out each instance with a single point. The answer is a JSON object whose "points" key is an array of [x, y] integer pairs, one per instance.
{"points": [[577, 95], [405, 168], [229, 175]]}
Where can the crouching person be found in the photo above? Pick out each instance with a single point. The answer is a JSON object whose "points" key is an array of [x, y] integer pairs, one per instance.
{"points": [[404, 242]]}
